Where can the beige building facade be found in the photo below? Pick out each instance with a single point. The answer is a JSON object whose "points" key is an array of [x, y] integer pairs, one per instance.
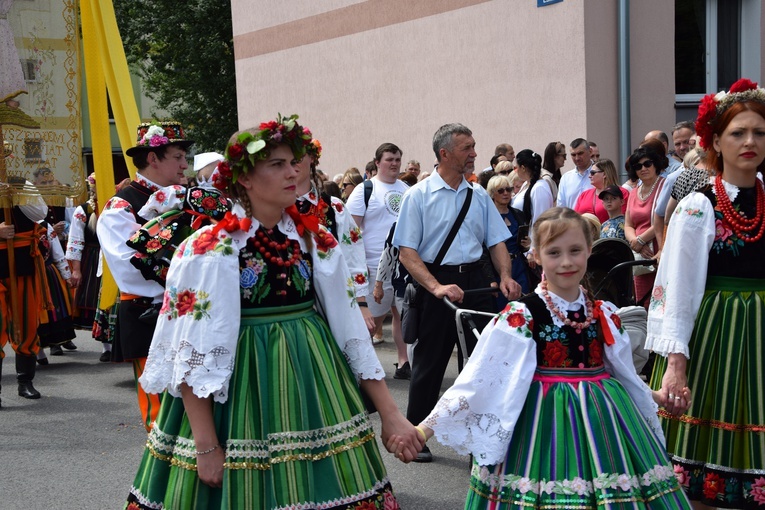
{"points": [[363, 72]]}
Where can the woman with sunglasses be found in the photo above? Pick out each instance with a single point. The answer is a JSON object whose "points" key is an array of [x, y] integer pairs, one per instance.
{"points": [[351, 179], [644, 165], [602, 175], [500, 190]]}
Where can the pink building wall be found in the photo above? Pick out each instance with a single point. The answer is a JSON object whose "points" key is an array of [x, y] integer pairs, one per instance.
{"points": [[360, 73]]}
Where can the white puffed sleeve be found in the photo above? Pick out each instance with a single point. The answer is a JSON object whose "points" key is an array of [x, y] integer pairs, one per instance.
{"points": [[617, 359], [198, 327], [165, 199], [76, 242], [479, 412], [336, 296], [681, 277], [349, 237]]}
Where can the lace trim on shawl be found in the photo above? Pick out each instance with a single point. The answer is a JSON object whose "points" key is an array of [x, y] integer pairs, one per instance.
{"points": [[457, 430]]}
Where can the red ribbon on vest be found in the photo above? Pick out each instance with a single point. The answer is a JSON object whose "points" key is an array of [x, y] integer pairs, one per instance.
{"points": [[231, 223], [600, 315], [303, 222]]}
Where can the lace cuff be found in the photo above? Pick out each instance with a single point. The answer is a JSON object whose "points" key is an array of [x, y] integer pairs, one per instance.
{"points": [[468, 432], [363, 359], [666, 346]]}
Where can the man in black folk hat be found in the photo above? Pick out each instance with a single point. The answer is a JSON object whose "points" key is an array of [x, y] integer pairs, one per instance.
{"points": [[160, 157]]}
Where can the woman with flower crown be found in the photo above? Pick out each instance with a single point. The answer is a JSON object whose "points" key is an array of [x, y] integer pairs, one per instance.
{"points": [[707, 312], [549, 404], [262, 407]]}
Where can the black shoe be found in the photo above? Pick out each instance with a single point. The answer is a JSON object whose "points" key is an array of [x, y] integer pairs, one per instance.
{"points": [[69, 346], [42, 361], [405, 372], [105, 357], [56, 350], [424, 455], [26, 390]]}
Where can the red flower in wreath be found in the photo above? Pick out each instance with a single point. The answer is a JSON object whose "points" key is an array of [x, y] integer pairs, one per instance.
{"points": [[596, 353], [325, 241], [516, 320], [185, 302], [224, 169], [235, 151], [271, 125], [556, 354], [204, 243], [360, 279], [714, 484]]}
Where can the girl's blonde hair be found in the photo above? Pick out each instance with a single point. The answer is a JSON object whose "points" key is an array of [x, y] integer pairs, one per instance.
{"points": [[554, 222]]}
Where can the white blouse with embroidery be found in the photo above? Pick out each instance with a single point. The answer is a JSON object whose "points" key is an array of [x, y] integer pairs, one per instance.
{"points": [[198, 328], [478, 414], [682, 275]]}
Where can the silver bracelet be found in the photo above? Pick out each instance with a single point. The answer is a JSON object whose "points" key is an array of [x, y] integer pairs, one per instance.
{"points": [[640, 240], [205, 452]]}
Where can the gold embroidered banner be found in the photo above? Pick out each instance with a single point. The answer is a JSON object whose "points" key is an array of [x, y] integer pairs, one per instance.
{"points": [[46, 37]]}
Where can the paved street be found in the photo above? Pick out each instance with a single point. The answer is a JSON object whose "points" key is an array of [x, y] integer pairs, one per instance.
{"points": [[79, 445]]}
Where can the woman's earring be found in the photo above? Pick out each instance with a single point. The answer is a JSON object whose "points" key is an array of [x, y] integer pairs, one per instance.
{"points": [[719, 154]]}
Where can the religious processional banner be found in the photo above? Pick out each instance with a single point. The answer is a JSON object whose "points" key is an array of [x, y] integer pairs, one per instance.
{"points": [[45, 36]]}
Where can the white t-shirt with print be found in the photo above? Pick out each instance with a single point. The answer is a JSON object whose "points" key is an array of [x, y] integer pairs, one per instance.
{"points": [[384, 206]]}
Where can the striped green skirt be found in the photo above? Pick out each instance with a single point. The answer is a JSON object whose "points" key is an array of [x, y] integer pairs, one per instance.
{"points": [[294, 427], [579, 442], [718, 446]]}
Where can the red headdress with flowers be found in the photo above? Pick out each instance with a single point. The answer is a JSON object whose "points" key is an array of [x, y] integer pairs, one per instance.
{"points": [[713, 105], [314, 150], [252, 146]]}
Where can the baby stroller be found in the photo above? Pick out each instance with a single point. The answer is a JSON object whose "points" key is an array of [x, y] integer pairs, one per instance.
{"points": [[609, 275]]}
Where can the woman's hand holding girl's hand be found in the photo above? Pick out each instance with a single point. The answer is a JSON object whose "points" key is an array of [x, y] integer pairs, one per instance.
{"points": [[674, 395], [400, 437]]}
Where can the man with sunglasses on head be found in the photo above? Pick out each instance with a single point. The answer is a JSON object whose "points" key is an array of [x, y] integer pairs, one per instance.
{"points": [[575, 181]]}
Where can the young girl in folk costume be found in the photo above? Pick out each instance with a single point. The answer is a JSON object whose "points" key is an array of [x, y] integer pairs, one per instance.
{"points": [[707, 313], [262, 406], [549, 404]]}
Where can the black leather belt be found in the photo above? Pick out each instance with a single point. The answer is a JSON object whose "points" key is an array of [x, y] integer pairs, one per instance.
{"points": [[460, 268]]}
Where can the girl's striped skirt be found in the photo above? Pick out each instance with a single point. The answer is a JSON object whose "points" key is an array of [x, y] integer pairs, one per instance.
{"points": [[718, 446], [580, 442], [294, 428]]}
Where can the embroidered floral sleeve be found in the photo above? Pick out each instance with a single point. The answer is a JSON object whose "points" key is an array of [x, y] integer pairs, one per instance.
{"points": [[479, 412], [336, 293], [57, 255], [352, 246], [76, 242], [617, 360], [681, 277], [198, 326]]}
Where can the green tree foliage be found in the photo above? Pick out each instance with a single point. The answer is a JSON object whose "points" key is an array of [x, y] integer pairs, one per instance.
{"points": [[184, 53]]}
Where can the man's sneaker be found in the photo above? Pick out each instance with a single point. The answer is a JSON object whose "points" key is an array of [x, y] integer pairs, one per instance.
{"points": [[424, 455], [405, 372]]}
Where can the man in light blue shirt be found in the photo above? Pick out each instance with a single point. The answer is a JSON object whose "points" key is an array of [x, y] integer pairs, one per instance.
{"points": [[428, 212], [575, 181]]}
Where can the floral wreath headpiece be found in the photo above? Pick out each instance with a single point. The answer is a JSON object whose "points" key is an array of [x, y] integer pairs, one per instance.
{"points": [[713, 105], [314, 150], [250, 147]]}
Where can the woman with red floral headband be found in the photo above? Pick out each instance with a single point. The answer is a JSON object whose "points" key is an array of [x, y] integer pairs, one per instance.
{"points": [[261, 406], [707, 312]]}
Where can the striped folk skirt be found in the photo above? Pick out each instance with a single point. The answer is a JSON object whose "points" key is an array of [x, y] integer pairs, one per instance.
{"points": [[718, 446], [56, 326], [580, 442], [294, 428]]}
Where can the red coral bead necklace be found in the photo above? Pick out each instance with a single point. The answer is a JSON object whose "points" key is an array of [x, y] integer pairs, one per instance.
{"points": [[284, 254], [578, 326], [742, 226]]}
